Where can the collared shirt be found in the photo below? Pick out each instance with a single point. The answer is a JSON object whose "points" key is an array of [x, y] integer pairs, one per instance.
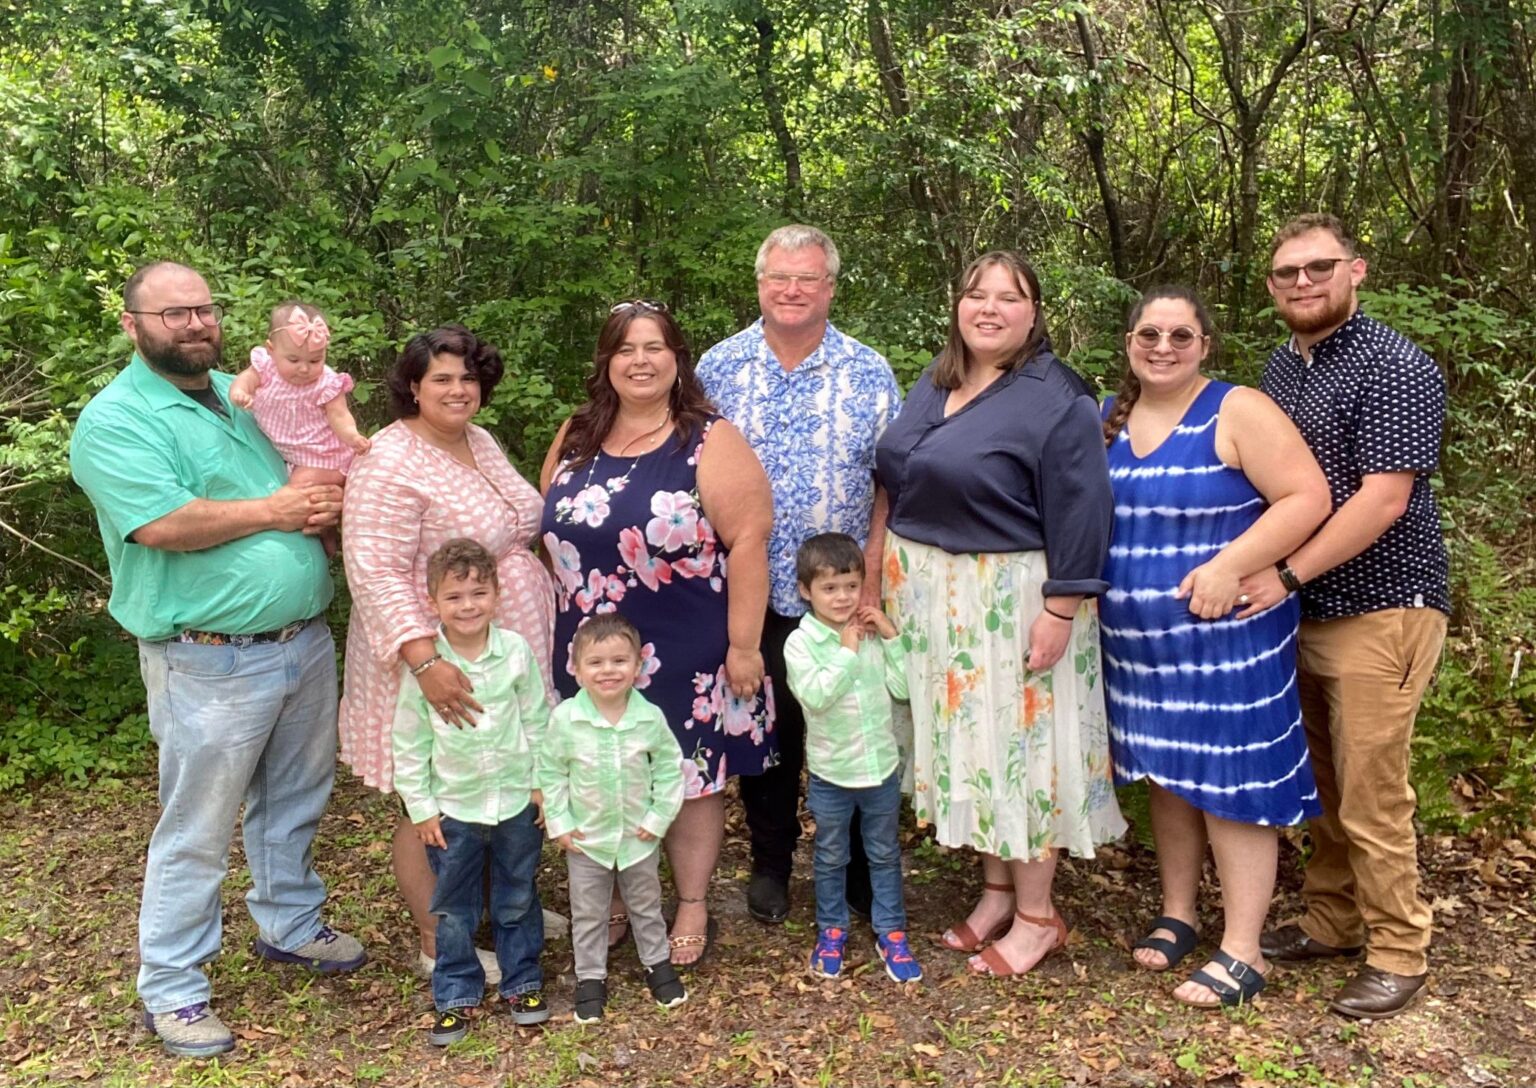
{"points": [[142, 449], [846, 696], [1020, 468], [481, 774], [609, 780], [1371, 401], [814, 429]]}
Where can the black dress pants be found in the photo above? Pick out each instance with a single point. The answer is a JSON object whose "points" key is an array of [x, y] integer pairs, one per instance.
{"points": [[772, 799]]}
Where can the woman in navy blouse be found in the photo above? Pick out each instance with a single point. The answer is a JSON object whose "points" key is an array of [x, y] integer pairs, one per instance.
{"points": [[1000, 514]]}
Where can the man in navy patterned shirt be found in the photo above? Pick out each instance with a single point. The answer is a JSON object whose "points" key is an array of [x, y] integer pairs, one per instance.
{"points": [[811, 402], [1374, 598]]}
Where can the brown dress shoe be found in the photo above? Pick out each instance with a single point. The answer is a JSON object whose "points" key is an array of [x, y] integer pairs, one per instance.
{"points": [[1374, 994], [1289, 944]]}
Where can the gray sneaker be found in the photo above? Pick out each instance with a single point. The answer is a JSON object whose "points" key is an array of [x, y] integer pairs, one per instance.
{"points": [[190, 1032], [330, 953]]}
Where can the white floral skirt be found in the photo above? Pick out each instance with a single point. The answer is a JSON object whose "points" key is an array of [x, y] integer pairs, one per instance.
{"points": [[1004, 760]]}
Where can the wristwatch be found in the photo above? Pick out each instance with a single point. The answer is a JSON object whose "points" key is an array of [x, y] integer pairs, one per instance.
{"points": [[1288, 577]]}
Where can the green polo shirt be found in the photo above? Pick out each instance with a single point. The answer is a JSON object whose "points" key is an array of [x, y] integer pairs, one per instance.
{"points": [[143, 448]]}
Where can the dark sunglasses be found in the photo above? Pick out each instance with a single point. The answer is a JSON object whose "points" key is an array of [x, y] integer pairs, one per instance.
{"points": [[1318, 271]]}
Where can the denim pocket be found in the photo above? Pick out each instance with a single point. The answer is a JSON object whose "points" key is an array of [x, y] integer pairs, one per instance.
{"points": [[192, 659]]}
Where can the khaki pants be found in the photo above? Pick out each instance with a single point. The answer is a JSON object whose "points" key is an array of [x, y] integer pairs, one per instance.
{"points": [[1361, 679]]}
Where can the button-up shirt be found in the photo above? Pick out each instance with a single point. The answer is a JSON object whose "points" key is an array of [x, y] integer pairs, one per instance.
{"points": [[846, 696], [609, 780], [143, 449], [480, 774], [814, 429], [1020, 468], [1371, 401]]}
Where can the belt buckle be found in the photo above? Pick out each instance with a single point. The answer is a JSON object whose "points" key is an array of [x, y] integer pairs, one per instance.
{"points": [[290, 632]]}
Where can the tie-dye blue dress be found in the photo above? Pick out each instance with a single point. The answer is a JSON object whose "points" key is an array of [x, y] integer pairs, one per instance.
{"points": [[1207, 709]]}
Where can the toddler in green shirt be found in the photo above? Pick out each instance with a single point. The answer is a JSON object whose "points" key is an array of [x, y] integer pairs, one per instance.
{"points": [[471, 795], [844, 663], [612, 778]]}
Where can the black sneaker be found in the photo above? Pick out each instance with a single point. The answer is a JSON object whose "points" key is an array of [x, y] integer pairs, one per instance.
{"points": [[768, 898], [665, 986], [450, 1026], [529, 1008], [591, 996]]}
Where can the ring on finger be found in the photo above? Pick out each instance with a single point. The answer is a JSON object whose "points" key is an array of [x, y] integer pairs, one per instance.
{"points": [[1242, 598]]}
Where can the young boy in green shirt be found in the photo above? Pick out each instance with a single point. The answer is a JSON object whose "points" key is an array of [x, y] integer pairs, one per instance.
{"points": [[471, 795], [612, 778], [844, 678]]}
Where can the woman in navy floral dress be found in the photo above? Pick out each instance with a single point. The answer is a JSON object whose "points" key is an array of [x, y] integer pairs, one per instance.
{"points": [[647, 491]]}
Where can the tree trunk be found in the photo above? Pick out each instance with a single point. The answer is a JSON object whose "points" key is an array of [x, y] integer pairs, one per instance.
{"points": [[794, 195], [1092, 137]]}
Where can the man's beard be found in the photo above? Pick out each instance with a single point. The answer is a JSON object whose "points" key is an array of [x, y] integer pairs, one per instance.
{"points": [[184, 358], [1333, 314]]}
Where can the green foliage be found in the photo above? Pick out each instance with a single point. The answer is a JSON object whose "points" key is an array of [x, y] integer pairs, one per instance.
{"points": [[518, 166]]}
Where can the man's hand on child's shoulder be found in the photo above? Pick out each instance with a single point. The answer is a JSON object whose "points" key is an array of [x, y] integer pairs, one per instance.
{"points": [[430, 832]]}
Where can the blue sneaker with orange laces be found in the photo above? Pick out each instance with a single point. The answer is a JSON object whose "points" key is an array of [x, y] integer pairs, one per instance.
{"points": [[827, 957], [899, 961]]}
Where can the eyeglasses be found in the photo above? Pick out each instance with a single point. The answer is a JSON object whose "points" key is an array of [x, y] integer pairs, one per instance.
{"points": [[1318, 271], [179, 317], [1149, 336], [781, 280], [639, 304]]}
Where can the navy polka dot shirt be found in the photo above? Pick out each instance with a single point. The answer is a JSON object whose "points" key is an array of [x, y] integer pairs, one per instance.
{"points": [[1371, 401]]}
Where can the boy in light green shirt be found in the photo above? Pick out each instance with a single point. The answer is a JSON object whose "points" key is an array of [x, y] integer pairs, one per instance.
{"points": [[612, 779], [844, 678], [470, 793]]}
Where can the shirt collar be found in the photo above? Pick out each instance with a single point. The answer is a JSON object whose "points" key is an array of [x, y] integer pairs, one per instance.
{"points": [[818, 631], [157, 390], [585, 710], [830, 339], [496, 647]]}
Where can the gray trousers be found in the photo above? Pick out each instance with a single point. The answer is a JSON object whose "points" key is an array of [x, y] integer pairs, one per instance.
{"points": [[591, 895]]}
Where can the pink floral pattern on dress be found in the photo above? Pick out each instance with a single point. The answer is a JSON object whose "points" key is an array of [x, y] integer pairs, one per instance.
{"points": [[404, 499]]}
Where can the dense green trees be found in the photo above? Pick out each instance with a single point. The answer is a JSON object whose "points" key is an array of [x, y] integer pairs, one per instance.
{"points": [[518, 165]]}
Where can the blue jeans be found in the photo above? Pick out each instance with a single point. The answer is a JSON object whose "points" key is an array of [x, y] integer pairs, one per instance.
{"points": [[255, 724], [879, 812], [512, 850]]}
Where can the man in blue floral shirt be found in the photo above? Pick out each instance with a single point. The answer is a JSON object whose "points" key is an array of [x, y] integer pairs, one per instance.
{"points": [[812, 402]]}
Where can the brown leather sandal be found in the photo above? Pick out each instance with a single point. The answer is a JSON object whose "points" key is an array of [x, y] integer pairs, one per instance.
{"points": [[966, 939], [995, 965]]}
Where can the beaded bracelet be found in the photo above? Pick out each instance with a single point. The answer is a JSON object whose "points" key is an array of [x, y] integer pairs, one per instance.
{"points": [[417, 670]]}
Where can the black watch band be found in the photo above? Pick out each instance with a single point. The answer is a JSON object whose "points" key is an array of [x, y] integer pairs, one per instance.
{"points": [[1288, 577]]}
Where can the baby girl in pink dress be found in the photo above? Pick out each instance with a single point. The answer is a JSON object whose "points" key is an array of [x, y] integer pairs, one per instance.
{"points": [[299, 402]]}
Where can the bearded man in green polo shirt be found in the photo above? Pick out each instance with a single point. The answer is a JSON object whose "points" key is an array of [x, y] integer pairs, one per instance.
{"points": [[217, 571]]}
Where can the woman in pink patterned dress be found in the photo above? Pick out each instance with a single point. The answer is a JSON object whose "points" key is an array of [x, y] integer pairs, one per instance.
{"points": [[430, 476]]}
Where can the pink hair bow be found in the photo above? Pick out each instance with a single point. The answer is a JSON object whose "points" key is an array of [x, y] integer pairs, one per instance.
{"points": [[311, 329]]}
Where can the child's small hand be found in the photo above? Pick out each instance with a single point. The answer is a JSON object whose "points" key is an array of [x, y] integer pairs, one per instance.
{"points": [[360, 443], [430, 832], [537, 796], [566, 843], [644, 836], [241, 398], [853, 631], [872, 617]]}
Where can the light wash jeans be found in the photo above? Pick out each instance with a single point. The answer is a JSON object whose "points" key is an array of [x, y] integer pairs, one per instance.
{"points": [[254, 724]]}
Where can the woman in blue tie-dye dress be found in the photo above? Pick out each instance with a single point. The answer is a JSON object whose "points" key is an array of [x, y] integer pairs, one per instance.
{"points": [[1211, 482]]}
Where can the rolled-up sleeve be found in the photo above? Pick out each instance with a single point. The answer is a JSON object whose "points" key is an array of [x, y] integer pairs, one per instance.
{"points": [[1076, 504]]}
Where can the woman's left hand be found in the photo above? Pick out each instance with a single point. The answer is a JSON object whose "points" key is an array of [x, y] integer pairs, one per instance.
{"points": [[1048, 638], [744, 671], [1211, 590]]}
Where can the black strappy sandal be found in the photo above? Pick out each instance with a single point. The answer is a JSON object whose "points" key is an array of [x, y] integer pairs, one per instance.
{"points": [[1185, 940], [1249, 982]]}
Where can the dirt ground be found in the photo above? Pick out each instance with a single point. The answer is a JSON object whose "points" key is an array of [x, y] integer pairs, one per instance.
{"points": [[71, 864]]}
